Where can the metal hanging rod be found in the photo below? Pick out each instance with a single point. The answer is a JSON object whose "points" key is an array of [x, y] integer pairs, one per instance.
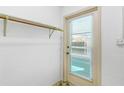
{"points": [[25, 21]]}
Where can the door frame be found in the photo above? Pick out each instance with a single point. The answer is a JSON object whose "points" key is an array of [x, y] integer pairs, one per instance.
{"points": [[97, 31]]}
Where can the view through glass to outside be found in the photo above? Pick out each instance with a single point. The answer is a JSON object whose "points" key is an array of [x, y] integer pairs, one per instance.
{"points": [[81, 46]]}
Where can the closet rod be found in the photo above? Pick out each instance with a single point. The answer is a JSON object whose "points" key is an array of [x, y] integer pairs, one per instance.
{"points": [[25, 21]]}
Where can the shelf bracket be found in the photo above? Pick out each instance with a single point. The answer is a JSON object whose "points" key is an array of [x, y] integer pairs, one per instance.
{"points": [[51, 31], [5, 26]]}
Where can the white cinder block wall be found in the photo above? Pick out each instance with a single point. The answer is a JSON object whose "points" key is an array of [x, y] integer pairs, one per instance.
{"points": [[112, 55], [27, 55]]}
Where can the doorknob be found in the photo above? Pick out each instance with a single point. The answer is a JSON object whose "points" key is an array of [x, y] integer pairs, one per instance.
{"points": [[67, 46]]}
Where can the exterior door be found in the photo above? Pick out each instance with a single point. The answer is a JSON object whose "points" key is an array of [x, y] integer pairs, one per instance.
{"points": [[82, 63]]}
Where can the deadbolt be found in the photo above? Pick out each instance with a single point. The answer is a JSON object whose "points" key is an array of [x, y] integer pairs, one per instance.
{"points": [[67, 46]]}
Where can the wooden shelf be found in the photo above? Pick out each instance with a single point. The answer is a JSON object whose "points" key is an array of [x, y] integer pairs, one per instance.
{"points": [[29, 22]]}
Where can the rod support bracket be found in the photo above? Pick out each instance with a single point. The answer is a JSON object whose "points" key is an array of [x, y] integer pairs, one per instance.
{"points": [[51, 31], [5, 25]]}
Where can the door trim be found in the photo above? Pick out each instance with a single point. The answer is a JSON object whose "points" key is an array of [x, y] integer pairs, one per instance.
{"points": [[97, 31]]}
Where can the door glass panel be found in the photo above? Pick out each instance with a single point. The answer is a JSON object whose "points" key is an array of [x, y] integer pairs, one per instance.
{"points": [[81, 47]]}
